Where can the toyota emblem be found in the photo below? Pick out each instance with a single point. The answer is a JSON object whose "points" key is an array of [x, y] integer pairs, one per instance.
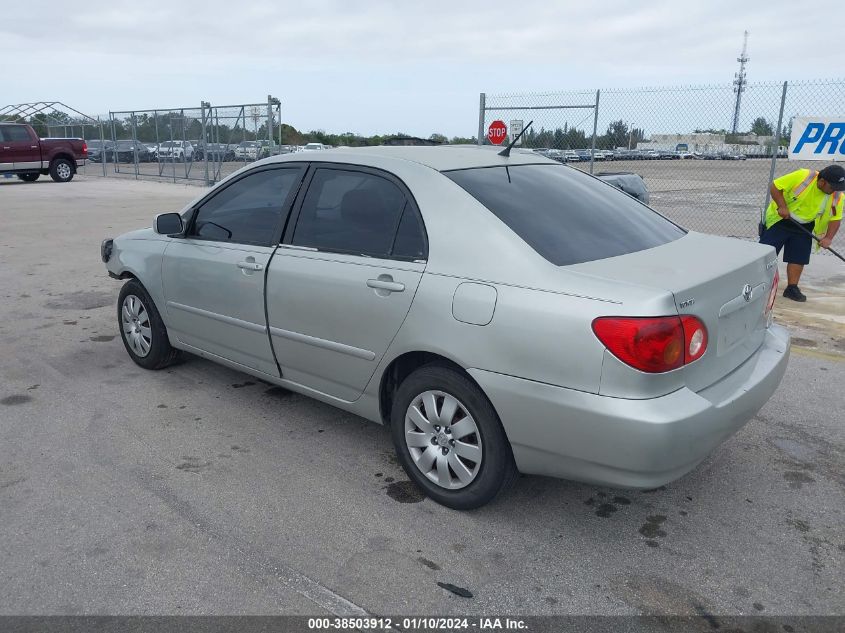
{"points": [[746, 292]]}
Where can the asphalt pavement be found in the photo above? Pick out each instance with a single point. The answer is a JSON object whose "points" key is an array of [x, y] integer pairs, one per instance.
{"points": [[200, 490]]}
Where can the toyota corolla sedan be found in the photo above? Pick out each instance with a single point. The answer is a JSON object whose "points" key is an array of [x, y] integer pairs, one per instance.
{"points": [[501, 314]]}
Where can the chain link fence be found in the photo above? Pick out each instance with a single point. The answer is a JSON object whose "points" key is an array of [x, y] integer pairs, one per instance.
{"points": [[701, 170], [202, 144]]}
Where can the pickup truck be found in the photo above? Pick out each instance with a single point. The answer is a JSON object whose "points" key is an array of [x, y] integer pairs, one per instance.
{"points": [[24, 154]]}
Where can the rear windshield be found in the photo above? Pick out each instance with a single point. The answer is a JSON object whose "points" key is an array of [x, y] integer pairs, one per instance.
{"points": [[565, 215]]}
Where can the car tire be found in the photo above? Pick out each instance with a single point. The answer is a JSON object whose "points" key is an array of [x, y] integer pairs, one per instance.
{"points": [[142, 329], [29, 177], [61, 170], [469, 440]]}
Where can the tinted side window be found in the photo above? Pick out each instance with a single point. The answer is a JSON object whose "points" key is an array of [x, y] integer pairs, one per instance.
{"points": [[249, 210], [410, 238], [15, 133], [565, 215], [350, 212]]}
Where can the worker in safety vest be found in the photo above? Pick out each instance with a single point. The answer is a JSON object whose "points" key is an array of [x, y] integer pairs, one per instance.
{"points": [[814, 199]]}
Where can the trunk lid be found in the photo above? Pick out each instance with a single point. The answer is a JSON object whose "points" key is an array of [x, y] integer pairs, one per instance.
{"points": [[725, 282]]}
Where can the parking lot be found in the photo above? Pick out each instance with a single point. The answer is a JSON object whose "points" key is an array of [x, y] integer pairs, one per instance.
{"points": [[200, 490]]}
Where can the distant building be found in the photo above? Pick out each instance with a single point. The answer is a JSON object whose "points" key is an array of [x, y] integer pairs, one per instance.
{"points": [[709, 143]]}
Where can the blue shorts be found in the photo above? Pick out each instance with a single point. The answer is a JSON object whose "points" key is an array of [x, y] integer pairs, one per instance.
{"points": [[795, 243]]}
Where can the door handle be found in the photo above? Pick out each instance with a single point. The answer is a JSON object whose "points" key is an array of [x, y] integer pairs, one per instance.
{"points": [[386, 284], [250, 266]]}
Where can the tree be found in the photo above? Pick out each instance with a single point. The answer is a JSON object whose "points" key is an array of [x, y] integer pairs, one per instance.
{"points": [[617, 135], [761, 127], [786, 133]]}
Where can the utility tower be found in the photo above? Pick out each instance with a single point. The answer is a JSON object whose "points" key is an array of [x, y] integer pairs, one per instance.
{"points": [[739, 81]]}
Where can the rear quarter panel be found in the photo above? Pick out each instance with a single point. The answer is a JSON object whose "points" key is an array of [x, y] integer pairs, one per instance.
{"points": [[542, 336]]}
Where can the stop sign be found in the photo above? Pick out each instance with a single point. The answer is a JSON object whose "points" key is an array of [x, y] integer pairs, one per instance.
{"points": [[497, 132]]}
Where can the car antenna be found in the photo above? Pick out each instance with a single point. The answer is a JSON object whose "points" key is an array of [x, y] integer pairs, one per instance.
{"points": [[507, 151]]}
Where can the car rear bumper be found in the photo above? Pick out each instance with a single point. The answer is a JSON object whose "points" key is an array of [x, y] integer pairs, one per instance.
{"points": [[630, 443]]}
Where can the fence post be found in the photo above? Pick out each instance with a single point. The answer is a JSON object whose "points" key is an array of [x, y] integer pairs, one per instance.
{"points": [[774, 153], [595, 128], [270, 121], [102, 146], [482, 107], [172, 148], [205, 143], [114, 144], [158, 145], [134, 145]]}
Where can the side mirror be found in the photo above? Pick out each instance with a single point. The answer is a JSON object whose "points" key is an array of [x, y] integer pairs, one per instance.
{"points": [[167, 223]]}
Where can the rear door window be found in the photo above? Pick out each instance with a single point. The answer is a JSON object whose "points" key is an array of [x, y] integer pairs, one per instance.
{"points": [[13, 133], [359, 213], [565, 215]]}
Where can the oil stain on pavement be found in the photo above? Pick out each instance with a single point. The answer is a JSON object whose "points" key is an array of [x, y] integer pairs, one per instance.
{"points": [[797, 479], [404, 492], [652, 529]]}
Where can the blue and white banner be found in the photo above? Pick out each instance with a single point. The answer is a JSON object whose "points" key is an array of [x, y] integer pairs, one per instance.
{"points": [[818, 138]]}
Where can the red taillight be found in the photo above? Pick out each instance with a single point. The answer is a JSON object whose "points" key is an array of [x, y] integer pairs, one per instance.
{"points": [[773, 292], [84, 148], [653, 344], [695, 338]]}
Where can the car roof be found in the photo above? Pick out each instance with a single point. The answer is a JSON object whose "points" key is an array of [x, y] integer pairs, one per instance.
{"points": [[440, 158]]}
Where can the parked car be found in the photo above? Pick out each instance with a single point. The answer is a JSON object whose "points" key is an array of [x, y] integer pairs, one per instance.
{"points": [[176, 150], [126, 151], [313, 147], [219, 152], [554, 154], [621, 154], [270, 148], [248, 150], [199, 149], [152, 148], [499, 314], [629, 182], [24, 154], [97, 149]]}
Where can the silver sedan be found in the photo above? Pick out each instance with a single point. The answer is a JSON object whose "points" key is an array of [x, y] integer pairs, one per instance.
{"points": [[501, 314]]}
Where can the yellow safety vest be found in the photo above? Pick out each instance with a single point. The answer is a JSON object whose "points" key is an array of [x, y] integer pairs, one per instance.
{"points": [[826, 210]]}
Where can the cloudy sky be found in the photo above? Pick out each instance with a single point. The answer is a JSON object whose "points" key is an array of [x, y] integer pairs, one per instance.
{"points": [[373, 66]]}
